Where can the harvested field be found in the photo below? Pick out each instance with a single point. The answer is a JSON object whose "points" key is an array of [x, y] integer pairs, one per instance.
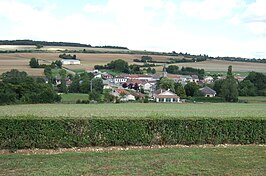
{"points": [[219, 65], [88, 60]]}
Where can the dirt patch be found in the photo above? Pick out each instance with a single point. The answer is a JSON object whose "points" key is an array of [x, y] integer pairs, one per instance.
{"points": [[117, 148]]}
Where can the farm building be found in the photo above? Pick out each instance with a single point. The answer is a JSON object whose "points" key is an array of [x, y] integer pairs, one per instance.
{"points": [[165, 96], [123, 95], [70, 62], [207, 92]]}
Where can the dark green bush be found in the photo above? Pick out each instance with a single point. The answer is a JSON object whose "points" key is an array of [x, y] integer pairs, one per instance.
{"points": [[38, 133]]}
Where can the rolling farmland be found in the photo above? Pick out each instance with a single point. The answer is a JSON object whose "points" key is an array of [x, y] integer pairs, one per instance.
{"points": [[20, 61]]}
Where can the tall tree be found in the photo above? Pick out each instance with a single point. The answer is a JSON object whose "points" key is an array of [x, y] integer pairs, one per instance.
{"points": [[34, 63], [166, 83], [191, 88], [179, 90], [259, 81], [74, 87], [229, 88]]}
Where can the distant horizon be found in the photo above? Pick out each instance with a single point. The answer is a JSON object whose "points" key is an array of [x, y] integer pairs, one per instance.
{"points": [[234, 28], [125, 47]]}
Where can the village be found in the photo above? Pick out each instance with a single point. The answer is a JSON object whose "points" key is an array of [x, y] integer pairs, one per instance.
{"points": [[132, 87]]}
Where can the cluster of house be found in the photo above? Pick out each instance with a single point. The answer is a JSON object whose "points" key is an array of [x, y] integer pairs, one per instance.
{"points": [[122, 85]]}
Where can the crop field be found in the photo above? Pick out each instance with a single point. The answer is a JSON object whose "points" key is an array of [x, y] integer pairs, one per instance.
{"points": [[233, 160], [20, 61], [137, 110], [222, 66], [53, 48]]}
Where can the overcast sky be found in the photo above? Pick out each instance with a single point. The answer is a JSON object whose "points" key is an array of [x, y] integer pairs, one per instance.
{"points": [[213, 27]]}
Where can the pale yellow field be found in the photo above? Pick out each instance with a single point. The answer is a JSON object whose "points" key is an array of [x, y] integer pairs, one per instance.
{"points": [[20, 61], [219, 65]]}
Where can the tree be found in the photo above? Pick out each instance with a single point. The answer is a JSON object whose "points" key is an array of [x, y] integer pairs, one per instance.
{"points": [[259, 81], [124, 85], [97, 85], [166, 83], [119, 65], [62, 87], [75, 87], [191, 88], [229, 88], [25, 89], [218, 86], [136, 86], [146, 59], [94, 95], [153, 71], [179, 90], [34, 63], [246, 88], [14, 76], [172, 69], [48, 73]]}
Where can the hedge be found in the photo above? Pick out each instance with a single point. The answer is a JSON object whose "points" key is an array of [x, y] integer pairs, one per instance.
{"points": [[39, 133]]}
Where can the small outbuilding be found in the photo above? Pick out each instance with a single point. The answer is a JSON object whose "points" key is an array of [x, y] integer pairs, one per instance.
{"points": [[70, 62], [208, 92]]}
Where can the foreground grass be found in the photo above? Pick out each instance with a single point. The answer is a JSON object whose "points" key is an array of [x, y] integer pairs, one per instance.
{"points": [[241, 160], [255, 99], [137, 110], [73, 97]]}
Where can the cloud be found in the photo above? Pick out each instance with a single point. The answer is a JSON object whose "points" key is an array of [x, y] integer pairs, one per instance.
{"points": [[210, 9], [254, 17]]}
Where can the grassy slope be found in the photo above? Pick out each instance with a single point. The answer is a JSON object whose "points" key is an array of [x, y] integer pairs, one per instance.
{"points": [[138, 110], [241, 160]]}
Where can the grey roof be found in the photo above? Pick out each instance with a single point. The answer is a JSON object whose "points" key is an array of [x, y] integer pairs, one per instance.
{"points": [[206, 90]]}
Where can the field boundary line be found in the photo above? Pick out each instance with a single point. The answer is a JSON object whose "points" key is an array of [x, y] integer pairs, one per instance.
{"points": [[118, 148]]}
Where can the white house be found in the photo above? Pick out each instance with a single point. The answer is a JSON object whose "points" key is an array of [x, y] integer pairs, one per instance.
{"points": [[208, 79], [120, 80], [166, 96], [70, 62]]}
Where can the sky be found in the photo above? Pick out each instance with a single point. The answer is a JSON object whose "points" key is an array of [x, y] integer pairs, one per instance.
{"points": [[214, 27]]}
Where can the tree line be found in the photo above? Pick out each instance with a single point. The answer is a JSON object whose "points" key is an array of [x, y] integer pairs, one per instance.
{"points": [[122, 66], [18, 88]]}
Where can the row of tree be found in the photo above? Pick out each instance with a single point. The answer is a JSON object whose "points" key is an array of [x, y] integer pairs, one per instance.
{"points": [[254, 84], [17, 87], [123, 67], [34, 63], [174, 69]]}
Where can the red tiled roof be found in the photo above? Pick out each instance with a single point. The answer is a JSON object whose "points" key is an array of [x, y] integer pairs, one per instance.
{"points": [[122, 91]]}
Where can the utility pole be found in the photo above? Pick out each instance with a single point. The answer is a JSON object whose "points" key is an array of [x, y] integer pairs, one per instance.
{"points": [[91, 85]]}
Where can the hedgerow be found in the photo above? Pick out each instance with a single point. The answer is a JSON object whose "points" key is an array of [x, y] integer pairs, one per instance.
{"points": [[23, 133]]}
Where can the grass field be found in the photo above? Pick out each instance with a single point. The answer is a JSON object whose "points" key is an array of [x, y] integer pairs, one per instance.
{"points": [[73, 97], [138, 110], [237, 160], [255, 99]]}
